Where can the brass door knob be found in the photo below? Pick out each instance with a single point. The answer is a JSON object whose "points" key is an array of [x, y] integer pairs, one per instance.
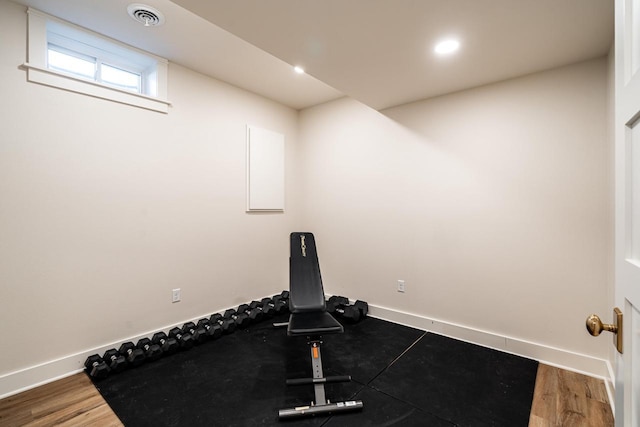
{"points": [[595, 326]]}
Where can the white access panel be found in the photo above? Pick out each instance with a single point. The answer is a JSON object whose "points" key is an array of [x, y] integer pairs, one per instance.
{"points": [[265, 170]]}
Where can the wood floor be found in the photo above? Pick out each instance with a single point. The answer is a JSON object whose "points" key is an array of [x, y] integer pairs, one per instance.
{"points": [[72, 401], [564, 398], [561, 398]]}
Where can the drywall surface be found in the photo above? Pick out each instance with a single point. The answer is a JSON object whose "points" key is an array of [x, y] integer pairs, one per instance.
{"points": [[492, 204], [105, 208]]}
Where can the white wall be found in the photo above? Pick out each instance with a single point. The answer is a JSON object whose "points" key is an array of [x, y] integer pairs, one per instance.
{"points": [[104, 208], [493, 204]]}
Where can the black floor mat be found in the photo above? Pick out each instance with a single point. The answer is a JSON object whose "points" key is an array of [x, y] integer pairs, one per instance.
{"points": [[383, 410], [239, 380], [463, 383]]}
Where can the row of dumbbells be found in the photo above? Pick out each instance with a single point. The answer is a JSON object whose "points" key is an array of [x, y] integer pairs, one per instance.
{"points": [[257, 311], [148, 350], [340, 307]]}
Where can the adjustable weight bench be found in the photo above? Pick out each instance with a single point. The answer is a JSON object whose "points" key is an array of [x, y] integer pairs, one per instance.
{"points": [[309, 318]]}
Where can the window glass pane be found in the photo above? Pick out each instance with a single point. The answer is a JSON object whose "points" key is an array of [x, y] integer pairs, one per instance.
{"points": [[120, 78], [83, 67]]}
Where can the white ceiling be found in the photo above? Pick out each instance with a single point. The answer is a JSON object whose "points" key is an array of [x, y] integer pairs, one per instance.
{"points": [[376, 51]]}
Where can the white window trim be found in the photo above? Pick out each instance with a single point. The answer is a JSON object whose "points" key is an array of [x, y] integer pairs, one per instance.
{"points": [[37, 71]]}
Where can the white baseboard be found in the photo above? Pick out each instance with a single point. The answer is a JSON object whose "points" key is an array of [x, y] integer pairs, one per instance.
{"points": [[560, 358], [34, 376]]}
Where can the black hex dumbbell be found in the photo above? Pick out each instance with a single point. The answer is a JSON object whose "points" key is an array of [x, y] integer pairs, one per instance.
{"points": [[277, 304], [335, 301], [168, 345], [340, 305], [96, 367], [363, 307], [282, 298], [241, 319], [266, 309], [134, 355], [115, 361], [254, 314], [228, 326], [184, 339], [151, 351], [197, 332], [213, 330]]}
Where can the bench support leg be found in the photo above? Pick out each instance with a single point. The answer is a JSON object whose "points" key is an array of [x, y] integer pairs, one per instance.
{"points": [[316, 364], [321, 406]]}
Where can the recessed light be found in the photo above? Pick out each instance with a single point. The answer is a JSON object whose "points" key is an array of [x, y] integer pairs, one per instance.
{"points": [[446, 47], [298, 69]]}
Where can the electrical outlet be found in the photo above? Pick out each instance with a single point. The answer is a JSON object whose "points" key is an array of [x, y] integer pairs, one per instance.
{"points": [[175, 296], [400, 285]]}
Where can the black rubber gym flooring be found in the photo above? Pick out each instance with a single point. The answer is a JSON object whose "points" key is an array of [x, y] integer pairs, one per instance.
{"points": [[403, 375]]}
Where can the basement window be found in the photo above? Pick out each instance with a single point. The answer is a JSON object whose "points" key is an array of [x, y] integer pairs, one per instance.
{"points": [[69, 57]]}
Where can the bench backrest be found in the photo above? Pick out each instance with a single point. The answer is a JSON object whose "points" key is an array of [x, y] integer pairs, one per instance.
{"points": [[305, 283]]}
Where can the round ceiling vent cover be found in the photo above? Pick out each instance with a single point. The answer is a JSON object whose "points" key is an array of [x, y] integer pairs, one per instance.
{"points": [[146, 15]]}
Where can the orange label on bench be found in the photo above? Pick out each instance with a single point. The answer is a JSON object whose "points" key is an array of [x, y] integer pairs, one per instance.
{"points": [[315, 352]]}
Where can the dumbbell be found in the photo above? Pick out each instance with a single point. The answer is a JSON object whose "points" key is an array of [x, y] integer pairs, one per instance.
{"points": [[185, 340], [134, 356], [283, 298], [241, 319], [284, 295], [340, 306], [278, 305], [114, 360], [254, 314], [265, 308], [213, 330], [168, 345], [228, 326], [335, 301], [363, 307], [151, 351], [197, 332], [96, 367]]}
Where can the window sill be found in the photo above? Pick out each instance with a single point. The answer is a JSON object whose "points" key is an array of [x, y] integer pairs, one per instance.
{"points": [[63, 81]]}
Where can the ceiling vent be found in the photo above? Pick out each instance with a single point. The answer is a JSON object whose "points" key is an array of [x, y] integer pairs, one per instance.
{"points": [[146, 15]]}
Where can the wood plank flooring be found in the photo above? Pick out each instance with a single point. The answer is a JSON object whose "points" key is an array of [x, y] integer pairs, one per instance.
{"points": [[564, 398], [561, 398], [72, 401]]}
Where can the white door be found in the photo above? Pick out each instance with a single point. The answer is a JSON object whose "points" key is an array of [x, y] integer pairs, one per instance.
{"points": [[627, 216]]}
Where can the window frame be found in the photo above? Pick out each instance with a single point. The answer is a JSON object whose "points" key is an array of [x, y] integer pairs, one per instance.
{"points": [[44, 29]]}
